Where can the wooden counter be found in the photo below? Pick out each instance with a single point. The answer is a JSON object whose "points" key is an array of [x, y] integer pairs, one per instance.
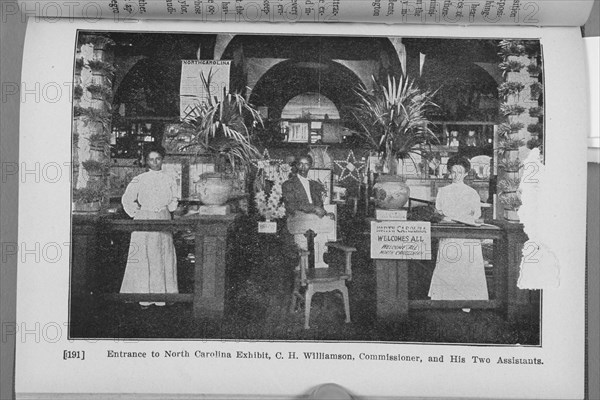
{"points": [[210, 238], [392, 275]]}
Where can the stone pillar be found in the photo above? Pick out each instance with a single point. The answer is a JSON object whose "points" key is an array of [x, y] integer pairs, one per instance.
{"points": [[521, 94], [92, 104]]}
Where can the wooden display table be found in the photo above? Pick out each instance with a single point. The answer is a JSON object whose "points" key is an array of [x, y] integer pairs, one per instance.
{"points": [[210, 236], [392, 275]]}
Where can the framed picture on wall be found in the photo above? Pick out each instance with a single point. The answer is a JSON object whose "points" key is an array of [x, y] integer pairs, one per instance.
{"points": [[175, 170], [175, 139]]}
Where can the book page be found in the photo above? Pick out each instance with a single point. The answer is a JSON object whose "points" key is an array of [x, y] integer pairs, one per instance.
{"points": [[493, 12], [77, 349], [592, 45]]}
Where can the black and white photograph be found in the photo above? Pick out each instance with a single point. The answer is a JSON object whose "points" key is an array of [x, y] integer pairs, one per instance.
{"points": [[304, 188], [382, 203]]}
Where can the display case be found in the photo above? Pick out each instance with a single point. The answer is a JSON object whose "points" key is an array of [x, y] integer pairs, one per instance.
{"points": [[130, 135], [313, 131]]}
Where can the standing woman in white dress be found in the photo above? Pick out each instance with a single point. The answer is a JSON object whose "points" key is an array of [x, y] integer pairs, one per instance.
{"points": [[459, 272], [151, 263]]}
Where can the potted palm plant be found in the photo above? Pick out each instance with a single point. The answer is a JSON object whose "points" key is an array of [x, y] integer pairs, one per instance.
{"points": [[88, 199], [217, 128], [394, 124], [97, 169], [511, 203]]}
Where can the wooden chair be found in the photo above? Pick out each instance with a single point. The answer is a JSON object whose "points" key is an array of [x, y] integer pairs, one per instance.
{"points": [[318, 280]]}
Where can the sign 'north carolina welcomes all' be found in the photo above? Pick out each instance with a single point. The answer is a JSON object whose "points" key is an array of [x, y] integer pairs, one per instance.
{"points": [[401, 240]]}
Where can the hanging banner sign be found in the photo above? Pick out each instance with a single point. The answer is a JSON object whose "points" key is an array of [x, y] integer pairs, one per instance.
{"points": [[401, 240], [192, 90]]}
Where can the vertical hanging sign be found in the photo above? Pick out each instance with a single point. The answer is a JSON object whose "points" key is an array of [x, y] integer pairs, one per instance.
{"points": [[192, 90]]}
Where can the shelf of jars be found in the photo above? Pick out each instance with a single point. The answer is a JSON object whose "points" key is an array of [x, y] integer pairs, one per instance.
{"points": [[312, 131], [130, 135], [471, 133]]}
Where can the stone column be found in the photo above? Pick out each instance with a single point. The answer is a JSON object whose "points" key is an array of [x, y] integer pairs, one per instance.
{"points": [[92, 102]]}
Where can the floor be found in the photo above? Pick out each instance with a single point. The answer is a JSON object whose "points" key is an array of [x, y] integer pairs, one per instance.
{"points": [[258, 299]]}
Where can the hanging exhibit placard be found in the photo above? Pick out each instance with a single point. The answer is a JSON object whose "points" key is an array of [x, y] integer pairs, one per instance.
{"points": [[401, 240], [192, 89]]}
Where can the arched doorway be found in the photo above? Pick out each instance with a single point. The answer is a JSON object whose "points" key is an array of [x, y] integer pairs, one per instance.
{"points": [[464, 90], [314, 104], [298, 90], [290, 79], [273, 70]]}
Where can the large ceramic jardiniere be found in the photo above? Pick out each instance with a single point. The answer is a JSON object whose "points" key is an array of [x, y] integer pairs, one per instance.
{"points": [[390, 192], [215, 188]]}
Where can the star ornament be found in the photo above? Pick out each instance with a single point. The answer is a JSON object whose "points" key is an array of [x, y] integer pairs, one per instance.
{"points": [[266, 161], [351, 168]]}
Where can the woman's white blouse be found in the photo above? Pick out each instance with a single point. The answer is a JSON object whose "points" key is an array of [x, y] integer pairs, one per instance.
{"points": [[459, 201], [150, 191]]}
